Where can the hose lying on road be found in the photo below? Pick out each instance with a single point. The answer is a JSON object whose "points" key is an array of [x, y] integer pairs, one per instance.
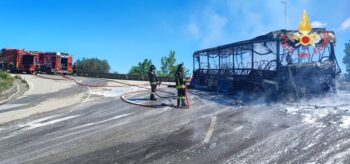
{"points": [[93, 86], [49, 78], [124, 95], [79, 83], [159, 89], [123, 98], [106, 86]]}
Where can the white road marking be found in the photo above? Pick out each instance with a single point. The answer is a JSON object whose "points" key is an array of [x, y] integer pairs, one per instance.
{"points": [[31, 85], [210, 130], [37, 153], [38, 120], [98, 122], [9, 106], [27, 126], [36, 124]]}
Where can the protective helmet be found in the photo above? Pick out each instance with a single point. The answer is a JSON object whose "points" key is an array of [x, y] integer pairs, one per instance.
{"points": [[152, 67], [180, 67]]}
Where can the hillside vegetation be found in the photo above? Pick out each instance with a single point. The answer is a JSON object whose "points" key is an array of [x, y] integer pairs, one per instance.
{"points": [[6, 81]]}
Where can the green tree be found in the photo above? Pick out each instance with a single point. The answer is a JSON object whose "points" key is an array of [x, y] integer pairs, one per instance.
{"points": [[346, 61], [168, 65], [141, 68], [167, 69], [92, 65]]}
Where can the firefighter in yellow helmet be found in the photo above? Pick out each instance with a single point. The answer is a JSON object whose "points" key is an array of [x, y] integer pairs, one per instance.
{"points": [[37, 69], [180, 86], [153, 80]]}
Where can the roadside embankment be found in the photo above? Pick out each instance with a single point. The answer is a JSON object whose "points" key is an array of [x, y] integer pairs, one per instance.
{"points": [[42, 96], [6, 81], [12, 86]]}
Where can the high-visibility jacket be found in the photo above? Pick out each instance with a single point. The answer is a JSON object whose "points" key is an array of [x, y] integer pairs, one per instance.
{"points": [[180, 80], [152, 77]]}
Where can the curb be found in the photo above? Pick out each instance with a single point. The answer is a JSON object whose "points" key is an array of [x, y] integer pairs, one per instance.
{"points": [[8, 93]]}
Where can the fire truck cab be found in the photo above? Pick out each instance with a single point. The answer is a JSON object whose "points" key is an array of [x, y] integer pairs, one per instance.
{"points": [[18, 60]]}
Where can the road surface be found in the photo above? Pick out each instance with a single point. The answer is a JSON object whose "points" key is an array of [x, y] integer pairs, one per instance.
{"points": [[98, 127]]}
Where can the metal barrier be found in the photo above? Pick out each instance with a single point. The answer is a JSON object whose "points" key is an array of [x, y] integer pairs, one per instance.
{"points": [[121, 76]]}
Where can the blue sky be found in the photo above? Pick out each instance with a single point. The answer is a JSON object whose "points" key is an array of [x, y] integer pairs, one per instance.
{"points": [[126, 31]]}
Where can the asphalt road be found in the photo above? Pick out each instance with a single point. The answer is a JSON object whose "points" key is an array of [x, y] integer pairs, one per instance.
{"points": [[104, 129]]}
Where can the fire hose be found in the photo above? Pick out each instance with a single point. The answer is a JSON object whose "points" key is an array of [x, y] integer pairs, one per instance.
{"points": [[48, 77], [123, 96], [187, 101]]}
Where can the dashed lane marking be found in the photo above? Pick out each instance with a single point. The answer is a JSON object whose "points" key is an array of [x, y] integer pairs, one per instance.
{"points": [[210, 130], [103, 121], [10, 106], [41, 123]]}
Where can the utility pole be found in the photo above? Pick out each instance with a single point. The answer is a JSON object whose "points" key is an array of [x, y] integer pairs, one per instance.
{"points": [[285, 13]]}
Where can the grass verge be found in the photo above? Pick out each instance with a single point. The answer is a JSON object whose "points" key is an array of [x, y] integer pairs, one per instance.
{"points": [[6, 81]]}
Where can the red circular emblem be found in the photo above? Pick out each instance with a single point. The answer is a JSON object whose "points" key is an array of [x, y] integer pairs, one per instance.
{"points": [[305, 39]]}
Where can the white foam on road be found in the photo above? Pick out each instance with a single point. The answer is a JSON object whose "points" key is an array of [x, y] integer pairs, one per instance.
{"points": [[26, 126], [114, 92], [314, 111], [345, 122]]}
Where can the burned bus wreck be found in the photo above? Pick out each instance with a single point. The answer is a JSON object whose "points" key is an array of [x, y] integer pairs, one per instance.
{"points": [[280, 63]]}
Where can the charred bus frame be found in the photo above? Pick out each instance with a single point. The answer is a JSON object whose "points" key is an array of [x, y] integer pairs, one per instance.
{"points": [[271, 62]]}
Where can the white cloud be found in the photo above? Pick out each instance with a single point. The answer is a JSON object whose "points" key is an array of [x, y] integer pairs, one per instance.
{"points": [[208, 27], [193, 29], [345, 25], [318, 24], [215, 29], [218, 22]]}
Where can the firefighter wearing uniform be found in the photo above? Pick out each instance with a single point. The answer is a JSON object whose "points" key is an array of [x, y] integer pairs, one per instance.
{"points": [[74, 70], [153, 81], [37, 69], [180, 86]]}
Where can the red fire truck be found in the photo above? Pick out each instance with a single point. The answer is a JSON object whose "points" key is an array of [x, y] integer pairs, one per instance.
{"points": [[55, 62], [18, 60]]}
